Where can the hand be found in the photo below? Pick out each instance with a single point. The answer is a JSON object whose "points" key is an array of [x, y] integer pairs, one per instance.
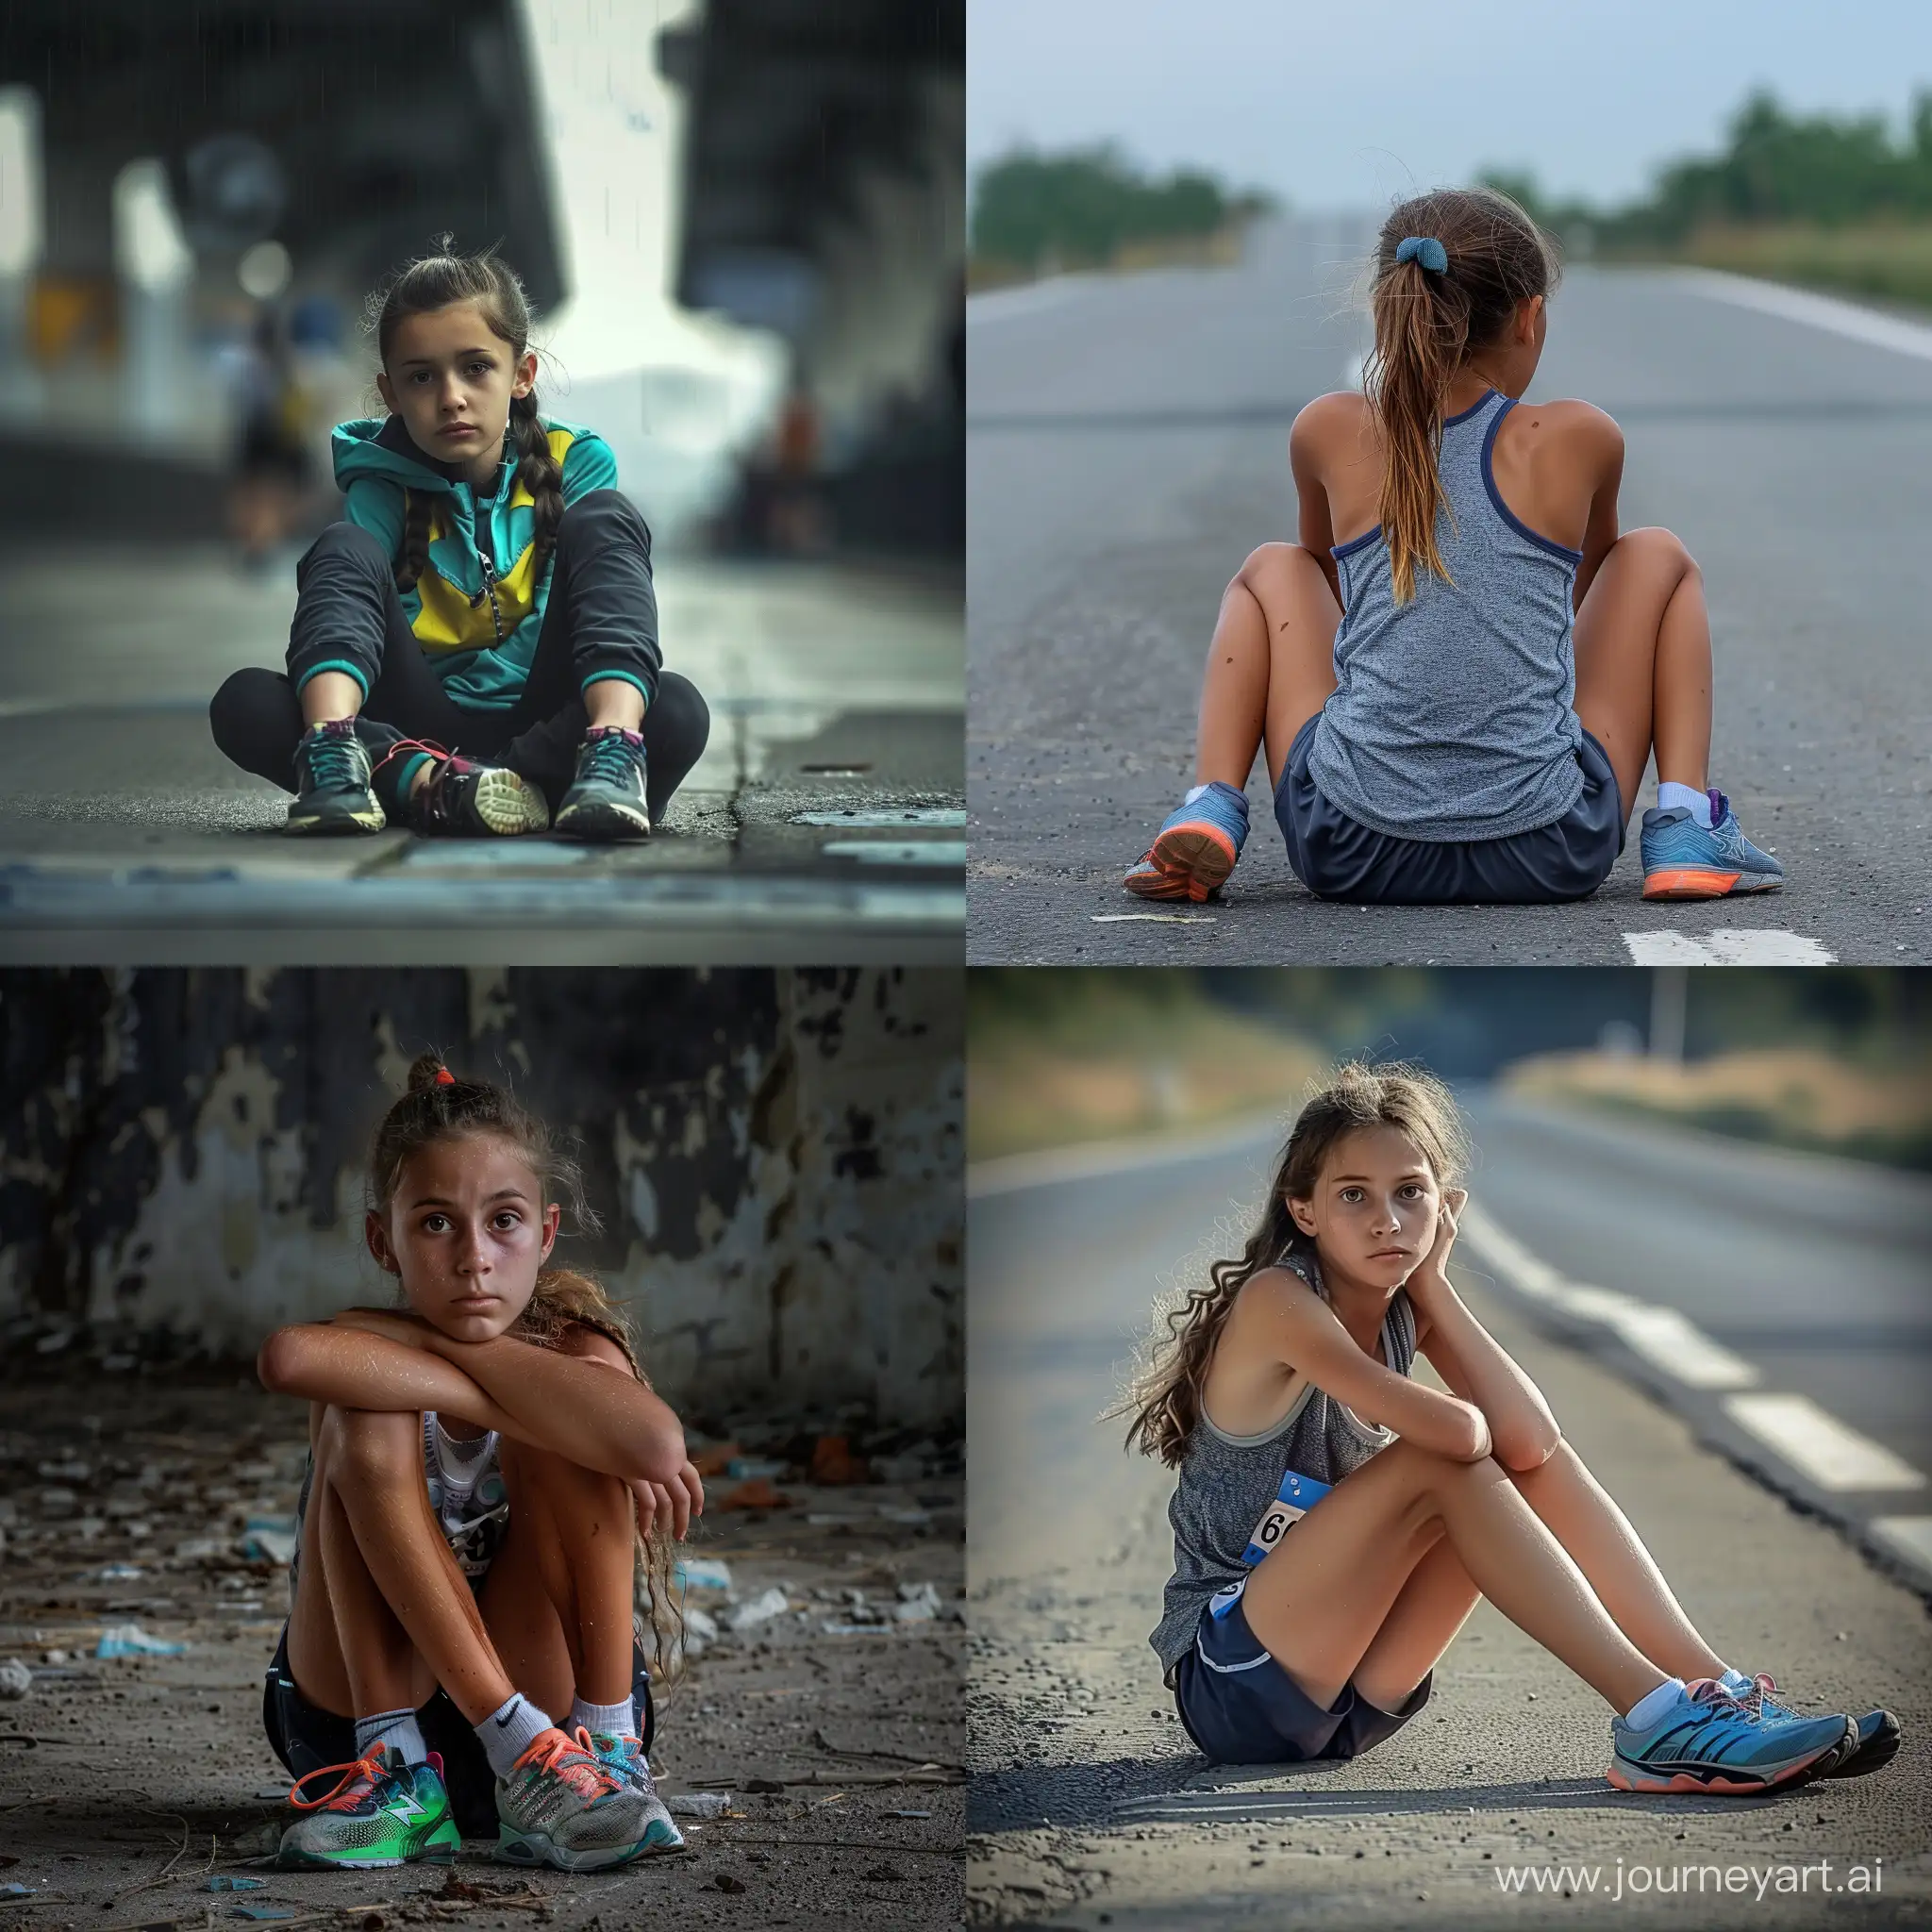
{"points": [[674, 1503], [392, 1325], [1434, 1272]]}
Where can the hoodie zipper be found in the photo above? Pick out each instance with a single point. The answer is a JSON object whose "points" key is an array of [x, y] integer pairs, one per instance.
{"points": [[489, 588]]}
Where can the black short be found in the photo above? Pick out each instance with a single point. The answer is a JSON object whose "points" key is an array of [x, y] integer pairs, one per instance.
{"points": [[1241, 1708], [307, 1739]]}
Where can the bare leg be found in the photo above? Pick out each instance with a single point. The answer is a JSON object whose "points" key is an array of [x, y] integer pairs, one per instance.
{"points": [[329, 695], [614, 701], [1317, 1612], [1270, 663], [558, 1599], [382, 1614], [1642, 640]]}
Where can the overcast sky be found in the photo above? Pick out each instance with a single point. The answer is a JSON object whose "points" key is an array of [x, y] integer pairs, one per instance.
{"points": [[1352, 102]]}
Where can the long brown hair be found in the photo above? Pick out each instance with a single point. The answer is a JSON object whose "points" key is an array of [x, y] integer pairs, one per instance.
{"points": [[439, 1105], [438, 281], [1427, 324], [1165, 1400]]}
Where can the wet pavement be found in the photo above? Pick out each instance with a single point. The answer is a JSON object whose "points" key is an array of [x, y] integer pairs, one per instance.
{"points": [[825, 820], [127, 1784]]}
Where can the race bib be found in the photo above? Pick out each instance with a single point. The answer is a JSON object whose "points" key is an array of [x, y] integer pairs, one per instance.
{"points": [[1296, 1496]]}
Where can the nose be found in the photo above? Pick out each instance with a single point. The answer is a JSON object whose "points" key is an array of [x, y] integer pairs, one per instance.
{"points": [[473, 1251]]}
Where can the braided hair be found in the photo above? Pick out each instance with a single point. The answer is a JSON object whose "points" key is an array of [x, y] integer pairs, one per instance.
{"points": [[438, 281]]}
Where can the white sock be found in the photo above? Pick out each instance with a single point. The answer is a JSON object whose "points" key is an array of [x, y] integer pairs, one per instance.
{"points": [[508, 1731], [605, 1720], [1647, 1710], [1697, 803], [1735, 1680], [395, 1728]]}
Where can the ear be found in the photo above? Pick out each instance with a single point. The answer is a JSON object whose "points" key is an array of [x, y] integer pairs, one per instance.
{"points": [[387, 395], [526, 379], [1526, 319], [1304, 1215], [552, 1215], [376, 1232]]}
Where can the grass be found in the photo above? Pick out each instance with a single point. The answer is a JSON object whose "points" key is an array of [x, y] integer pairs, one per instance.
{"points": [[1795, 1097], [1888, 261], [1222, 249], [1097, 1056]]}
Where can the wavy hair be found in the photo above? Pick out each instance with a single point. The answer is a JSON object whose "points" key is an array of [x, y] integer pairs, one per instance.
{"points": [[433, 1108], [438, 281], [1164, 1402], [1427, 325]]}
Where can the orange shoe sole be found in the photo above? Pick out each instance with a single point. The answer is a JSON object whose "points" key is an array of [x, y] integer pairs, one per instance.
{"points": [[1692, 882], [1191, 862]]}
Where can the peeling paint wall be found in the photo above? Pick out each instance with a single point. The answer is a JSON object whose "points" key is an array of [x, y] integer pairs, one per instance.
{"points": [[778, 1157]]}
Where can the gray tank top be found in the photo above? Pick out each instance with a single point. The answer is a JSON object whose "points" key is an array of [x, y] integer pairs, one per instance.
{"points": [[1451, 715], [1227, 1481]]}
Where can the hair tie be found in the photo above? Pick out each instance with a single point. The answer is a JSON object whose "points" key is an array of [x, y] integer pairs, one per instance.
{"points": [[445, 1077], [1426, 250]]}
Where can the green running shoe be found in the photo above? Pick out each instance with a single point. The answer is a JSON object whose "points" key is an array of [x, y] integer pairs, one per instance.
{"points": [[334, 791], [624, 1758], [382, 1811], [605, 800], [560, 1807]]}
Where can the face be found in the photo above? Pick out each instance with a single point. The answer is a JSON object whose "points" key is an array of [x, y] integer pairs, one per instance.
{"points": [[1372, 1214], [467, 1232], [449, 371]]}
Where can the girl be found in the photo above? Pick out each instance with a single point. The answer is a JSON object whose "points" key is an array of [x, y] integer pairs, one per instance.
{"points": [[465, 1558], [1435, 730], [489, 588], [1335, 1522]]}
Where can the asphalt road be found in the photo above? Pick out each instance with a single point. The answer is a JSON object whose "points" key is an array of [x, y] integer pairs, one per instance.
{"points": [[1088, 1805], [1128, 448], [822, 824]]}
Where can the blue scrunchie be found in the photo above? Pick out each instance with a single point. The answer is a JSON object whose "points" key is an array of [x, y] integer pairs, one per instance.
{"points": [[1426, 250]]}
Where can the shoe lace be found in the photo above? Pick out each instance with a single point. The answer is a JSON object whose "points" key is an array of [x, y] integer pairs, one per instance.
{"points": [[610, 755], [335, 758], [1761, 1697], [358, 1779], [561, 1758], [1712, 1691], [627, 1756]]}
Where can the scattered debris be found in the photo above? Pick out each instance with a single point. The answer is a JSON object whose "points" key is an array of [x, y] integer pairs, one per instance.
{"points": [[743, 1467], [16, 1680], [698, 1804], [724, 1882], [702, 1573], [833, 1463], [221, 1881], [755, 1493], [130, 1640], [761, 1609]]}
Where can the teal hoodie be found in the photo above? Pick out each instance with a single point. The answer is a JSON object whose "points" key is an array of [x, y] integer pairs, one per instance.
{"points": [[478, 609]]}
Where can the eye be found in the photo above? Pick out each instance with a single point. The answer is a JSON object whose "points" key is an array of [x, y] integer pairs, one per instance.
{"points": [[1351, 1195], [434, 1224], [1414, 1190], [509, 1217]]}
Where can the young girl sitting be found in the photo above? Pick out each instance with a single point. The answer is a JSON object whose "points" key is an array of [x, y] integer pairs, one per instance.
{"points": [[466, 1551], [490, 589], [1461, 669], [1335, 1522]]}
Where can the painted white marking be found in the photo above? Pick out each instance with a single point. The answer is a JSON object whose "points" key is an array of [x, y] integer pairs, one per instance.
{"points": [[1820, 1446], [1152, 918], [1827, 312], [1733, 945], [1908, 1538], [1003, 304], [1664, 1336]]}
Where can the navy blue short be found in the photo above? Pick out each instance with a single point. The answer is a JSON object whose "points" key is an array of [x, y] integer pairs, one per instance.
{"points": [[1339, 858], [1241, 1708]]}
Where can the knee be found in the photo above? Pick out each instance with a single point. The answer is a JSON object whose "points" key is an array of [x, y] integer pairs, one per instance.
{"points": [[342, 538], [1527, 1457], [1271, 562], [683, 709], [605, 507], [247, 701], [1660, 548], [372, 1448]]}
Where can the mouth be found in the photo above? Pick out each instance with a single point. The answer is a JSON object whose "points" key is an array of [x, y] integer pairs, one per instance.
{"points": [[463, 429], [474, 1304], [1390, 1255]]}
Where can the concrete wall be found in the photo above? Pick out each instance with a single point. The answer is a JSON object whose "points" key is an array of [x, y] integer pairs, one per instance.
{"points": [[777, 1157]]}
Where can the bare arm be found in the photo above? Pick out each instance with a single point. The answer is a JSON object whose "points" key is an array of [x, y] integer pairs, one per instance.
{"points": [[1605, 458], [1475, 1364], [349, 1365], [1282, 1313], [1315, 529]]}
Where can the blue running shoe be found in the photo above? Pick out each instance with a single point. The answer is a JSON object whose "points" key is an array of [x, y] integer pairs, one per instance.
{"points": [[624, 1758], [606, 799], [334, 791], [1195, 850], [1878, 1730], [1708, 1742], [1682, 860]]}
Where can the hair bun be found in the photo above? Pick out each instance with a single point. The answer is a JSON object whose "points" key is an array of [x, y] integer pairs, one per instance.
{"points": [[428, 1069]]}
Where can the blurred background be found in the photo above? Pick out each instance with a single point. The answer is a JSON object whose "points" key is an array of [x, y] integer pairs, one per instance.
{"points": [[1170, 226], [775, 1157], [742, 229]]}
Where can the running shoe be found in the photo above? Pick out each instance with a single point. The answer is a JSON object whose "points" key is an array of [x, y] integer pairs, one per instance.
{"points": [[605, 800], [1709, 1742], [334, 788], [1683, 860], [380, 1811], [624, 1758], [1878, 1730], [463, 799], [1195, 850], [560, 1807]]}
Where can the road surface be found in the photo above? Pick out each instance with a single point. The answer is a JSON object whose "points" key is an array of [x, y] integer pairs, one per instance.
{"points": [[1090, 1806], [822, 824], [1128, 448]]}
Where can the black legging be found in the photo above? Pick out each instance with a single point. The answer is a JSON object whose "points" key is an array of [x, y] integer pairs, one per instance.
{"points": [[348, 610]]}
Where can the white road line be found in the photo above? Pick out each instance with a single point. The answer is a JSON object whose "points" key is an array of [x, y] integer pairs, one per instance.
{"points": [[1815, 311], [1664, 1336], [1152, 918], [1735, 945], [1909, 1539], [1821, 1446]]}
